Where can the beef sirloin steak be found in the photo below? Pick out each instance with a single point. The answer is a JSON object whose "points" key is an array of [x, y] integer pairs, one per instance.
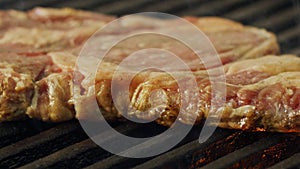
{"points": [[38, 51]]}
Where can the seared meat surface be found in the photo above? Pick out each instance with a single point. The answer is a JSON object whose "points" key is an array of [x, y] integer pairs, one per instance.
{"points": [[38, 51], [262, 94]]}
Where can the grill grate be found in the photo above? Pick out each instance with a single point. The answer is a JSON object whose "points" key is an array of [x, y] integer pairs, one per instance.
{"points": [[33, 144]]}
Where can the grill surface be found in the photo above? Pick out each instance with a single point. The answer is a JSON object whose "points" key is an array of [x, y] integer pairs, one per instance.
{"points": [[34, 144]]}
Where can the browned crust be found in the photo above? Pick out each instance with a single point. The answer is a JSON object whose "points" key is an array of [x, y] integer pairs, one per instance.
{"points": [[53, 19]]}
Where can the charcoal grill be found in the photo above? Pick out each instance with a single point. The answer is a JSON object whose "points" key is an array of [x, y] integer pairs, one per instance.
{"points": [[34, 144]]}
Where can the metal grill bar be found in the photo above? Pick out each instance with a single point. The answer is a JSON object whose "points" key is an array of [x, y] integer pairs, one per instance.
{"points": [[296, 51], [121, 7], [86, 4], [279, 20], [12, 132], [232, 158], [273, 154], [3, 3], [116, 162], [28, 4], [292, 162], [38, 145], [177, 154], [169, 6], [291, 33], [63, 154], [76, 149], [255, 10], [195, 155], [122, 161], [212, 8], [289, 39]]}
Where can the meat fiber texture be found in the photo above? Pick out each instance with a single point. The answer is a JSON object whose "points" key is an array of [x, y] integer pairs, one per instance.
{"points": [[38, 51]]}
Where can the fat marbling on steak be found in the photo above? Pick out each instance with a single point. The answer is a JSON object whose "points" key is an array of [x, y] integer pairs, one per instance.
{"points": [[54, 38], [262, 94], [28, 70]]}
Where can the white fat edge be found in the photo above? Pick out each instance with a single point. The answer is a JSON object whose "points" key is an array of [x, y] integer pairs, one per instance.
{"points": [[46, 12], [139, 20], [63, 12], [51, 90], [261, 32], [270, 64], [84, 31], [64, 60], [243, 111], [32, 36], [34, 100], [285, 79], [276, 65], [18, 15], [71, 100]]}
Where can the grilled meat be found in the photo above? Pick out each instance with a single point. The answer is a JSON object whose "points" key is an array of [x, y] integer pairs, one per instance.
{"points": [[38, 51]]}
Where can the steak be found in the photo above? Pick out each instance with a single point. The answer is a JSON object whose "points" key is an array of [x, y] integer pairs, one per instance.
{"points": [[38, 51], [27, 40], [262, 94]]}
